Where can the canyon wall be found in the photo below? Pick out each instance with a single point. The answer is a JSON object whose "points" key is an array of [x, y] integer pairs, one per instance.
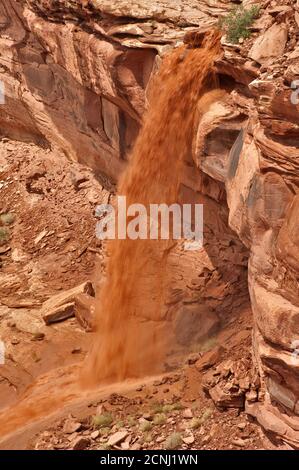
{"points": [[75, 76]]}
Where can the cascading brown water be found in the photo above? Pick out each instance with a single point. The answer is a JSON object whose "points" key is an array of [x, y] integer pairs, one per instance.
{"points": [[132, 333]]}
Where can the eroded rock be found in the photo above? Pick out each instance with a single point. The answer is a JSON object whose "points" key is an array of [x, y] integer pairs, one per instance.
{"points": [[60, 313], [270, 44]]}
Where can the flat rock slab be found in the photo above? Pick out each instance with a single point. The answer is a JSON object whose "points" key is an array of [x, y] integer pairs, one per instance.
{"points": [[68, 296], [209, 359], [270, 45], [117, 438], [71, 426], [60, 313], [81, 443]]}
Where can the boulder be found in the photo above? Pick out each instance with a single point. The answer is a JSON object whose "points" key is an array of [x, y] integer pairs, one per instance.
{"points": [[63, 306], [68, 296], [70, 426], [209, 359], [80, 443], [270, 44], [117, 438], [226, 398], [59, 314], [228, 382]]}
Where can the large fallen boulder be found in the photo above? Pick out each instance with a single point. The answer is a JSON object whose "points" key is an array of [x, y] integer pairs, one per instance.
{"points": [[62, 306], [60, 313], [270, 45]]}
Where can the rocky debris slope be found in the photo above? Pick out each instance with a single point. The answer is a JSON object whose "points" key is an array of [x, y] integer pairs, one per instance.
{"points": [[137, 423], [48, 213], [55, 392], [166, 413]]}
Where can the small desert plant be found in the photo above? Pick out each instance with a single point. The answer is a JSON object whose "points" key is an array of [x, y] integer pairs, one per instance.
{"points": [[206, 414], [104, 431], [147, 437], [173, 441], [159, 419], [167, 408], [176, 406], [145, 426], [131, 421], [157, 407], [237, 22], [4, 235], [105, 447], [120, 424], [102, 421], [197, 422], [7, 218]]}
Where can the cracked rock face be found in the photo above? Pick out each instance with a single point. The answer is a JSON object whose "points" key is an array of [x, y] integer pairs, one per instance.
{"points": [[69, 86], [75, 73], [75, 76]]}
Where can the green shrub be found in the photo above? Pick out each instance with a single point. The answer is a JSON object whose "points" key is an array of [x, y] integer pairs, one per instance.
{"points": [[145, 426], [102, 421], [237, 22], [206, 414], [120, 424], [131, 421], [104, 431], [177, 406], [147, 437], [157, 407], [159, 419], [168, 408], [173, 441], [105, 446], [197, 422]]}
